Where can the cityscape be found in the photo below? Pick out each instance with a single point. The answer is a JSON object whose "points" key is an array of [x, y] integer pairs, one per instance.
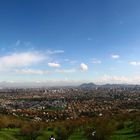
{"points": [[52, 104]]}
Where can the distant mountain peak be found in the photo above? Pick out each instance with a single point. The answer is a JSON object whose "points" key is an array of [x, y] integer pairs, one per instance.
{"points": [[87, 85]]}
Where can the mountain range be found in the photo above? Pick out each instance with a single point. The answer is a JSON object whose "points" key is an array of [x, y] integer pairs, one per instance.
{"points": [[92, 85]]}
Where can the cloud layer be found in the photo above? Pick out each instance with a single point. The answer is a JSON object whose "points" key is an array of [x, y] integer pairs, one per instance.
{"points": [[17, 60], [49, 63], [31, 71], [118, 79]]}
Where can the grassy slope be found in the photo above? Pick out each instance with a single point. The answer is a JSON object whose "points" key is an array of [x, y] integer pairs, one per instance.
{"points": [[45, 135], [77, 136], [8, 134], [125, 134]]}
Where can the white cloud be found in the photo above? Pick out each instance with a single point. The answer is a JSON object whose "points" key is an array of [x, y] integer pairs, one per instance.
{"points": [[113, 79], [118, 80], [53, 64], [71, 61], [32, 71], [23, 59], [135, 63], [66, 81], [83, 67], [65, 70], [44, 83], [55, 51], [115, 56], [42, 72], [96, 61]]}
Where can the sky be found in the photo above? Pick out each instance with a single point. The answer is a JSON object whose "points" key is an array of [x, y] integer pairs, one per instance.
{"points": [[67, 42]]}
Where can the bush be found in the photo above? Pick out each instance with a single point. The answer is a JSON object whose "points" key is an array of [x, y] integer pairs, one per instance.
{"points": [[31, 130], [103, 128], [120, 125], [63, 133], [136, 127]]}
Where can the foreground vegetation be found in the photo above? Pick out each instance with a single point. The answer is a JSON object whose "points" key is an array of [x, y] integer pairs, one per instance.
{"points": [[123, 126]]}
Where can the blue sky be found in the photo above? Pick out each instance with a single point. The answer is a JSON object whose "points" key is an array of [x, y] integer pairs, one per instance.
{"points": [[70, 41]]}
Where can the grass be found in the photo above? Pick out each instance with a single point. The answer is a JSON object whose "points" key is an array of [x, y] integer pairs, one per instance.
{"points": [[125, 134], [77, 136], [11, 134], [8, 134], [45, 135]]}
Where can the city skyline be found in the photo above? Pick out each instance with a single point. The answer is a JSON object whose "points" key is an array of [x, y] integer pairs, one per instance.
{"points": [[69, 42]]}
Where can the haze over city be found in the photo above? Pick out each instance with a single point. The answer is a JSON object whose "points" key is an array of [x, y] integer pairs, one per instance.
{"points": [[68, 42]]}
